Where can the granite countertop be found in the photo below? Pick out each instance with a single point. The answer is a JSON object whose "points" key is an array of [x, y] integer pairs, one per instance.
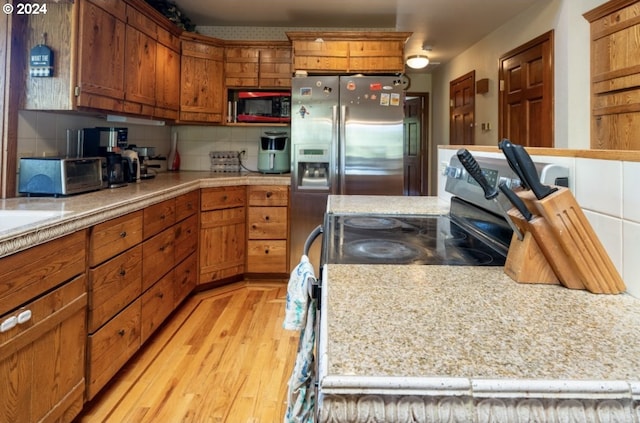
{"points": [[371, 204], [71, 213], [474, 323]]}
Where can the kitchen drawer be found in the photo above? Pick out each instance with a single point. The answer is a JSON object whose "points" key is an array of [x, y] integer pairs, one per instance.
{"points": [[42, 360], [112, 237], [109, 348], [186, 278], [187, 205], [113, 285], [186, 238], [159, 217], [222, 198], [267, 222], [157, 257], [27, 274], [269, 195], [267, 256], [157, 304]]}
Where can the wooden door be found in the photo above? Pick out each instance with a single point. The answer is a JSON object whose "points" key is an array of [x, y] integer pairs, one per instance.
{"points": [[526, 93], [462, 105], [415, 147]]}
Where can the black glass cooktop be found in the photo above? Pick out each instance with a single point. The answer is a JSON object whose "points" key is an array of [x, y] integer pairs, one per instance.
{"points": [[398, 239]]}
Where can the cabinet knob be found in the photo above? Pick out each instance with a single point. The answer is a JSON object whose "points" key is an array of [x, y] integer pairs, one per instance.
{"points": [[266, 218], [121, 332], [254, 226], [224, 198], [123, 272], [266, 251], [269, 194], [123, 234], [160, 295]]}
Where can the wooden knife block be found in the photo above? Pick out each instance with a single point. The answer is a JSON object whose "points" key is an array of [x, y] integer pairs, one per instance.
{"points": [[525, 262], [570, 244]]}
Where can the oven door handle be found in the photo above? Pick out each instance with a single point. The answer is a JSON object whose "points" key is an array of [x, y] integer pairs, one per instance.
{"points": [[311, 238]]}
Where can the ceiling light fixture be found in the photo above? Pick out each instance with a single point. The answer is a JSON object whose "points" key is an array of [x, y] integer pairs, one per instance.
{"points": [[420, 60], [417, 61]]}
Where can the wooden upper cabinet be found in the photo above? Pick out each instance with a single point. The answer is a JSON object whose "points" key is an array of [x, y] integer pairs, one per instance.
{"points": [[256, 64], [615, 75], [241, 65], [101, 47], [140, 63], [201, 79], [167, 75], [370, 52]]}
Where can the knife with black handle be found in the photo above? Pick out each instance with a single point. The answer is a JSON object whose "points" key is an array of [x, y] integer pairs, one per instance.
{"points": [[507, 149], [490, 193], [530, 174], [516, 201]]}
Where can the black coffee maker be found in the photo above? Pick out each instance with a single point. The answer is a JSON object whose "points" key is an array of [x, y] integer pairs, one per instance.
{"points": [[116, 172]]}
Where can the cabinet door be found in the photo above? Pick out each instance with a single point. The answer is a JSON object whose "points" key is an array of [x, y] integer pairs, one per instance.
{"points": [[111, 347], [157, 304], [275, 68], [186, 238], [101, 47], [267, 222], [241, 67], [140, 64], [376, 56], [159, 217], [42, 360], [325, 56], [157, 257], [186, 278], [113, 285], [167, 75], [201, 82], [267, 256], [222, 244]]}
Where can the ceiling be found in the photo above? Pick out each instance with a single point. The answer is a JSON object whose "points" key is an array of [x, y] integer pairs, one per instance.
{"points": [[448, 26]]}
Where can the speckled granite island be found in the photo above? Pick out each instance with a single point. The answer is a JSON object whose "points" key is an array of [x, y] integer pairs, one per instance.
{"points": [[467, 344]]}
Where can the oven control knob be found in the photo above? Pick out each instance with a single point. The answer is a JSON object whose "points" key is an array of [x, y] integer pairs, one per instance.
{"points": [[453, 172], [506, 181]]}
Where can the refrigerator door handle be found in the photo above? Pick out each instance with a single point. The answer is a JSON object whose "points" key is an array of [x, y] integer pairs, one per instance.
{"points": [[341, 149]]}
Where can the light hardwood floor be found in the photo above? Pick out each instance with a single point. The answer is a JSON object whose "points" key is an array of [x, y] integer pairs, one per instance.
{"points": [[222, 357]]}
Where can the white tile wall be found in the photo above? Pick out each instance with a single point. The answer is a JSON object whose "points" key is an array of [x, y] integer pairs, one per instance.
{"points": [[631, 192], [598, 185]]}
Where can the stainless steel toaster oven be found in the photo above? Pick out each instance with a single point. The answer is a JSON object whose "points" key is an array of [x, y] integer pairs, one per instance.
{"points": [[60, 176]]}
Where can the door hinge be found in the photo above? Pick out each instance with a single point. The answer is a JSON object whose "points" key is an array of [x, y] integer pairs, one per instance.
{"points": [[76, 91], [502, 85]]}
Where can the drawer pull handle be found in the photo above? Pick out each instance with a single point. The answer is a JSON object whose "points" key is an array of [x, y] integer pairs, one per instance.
{"points": [[269, 194], [121, 332], [224, 198], [254, 226], [266, 251], [160, 295], [24, 316], [123, 234], [266, 218], [163, 217], [123, 272]]}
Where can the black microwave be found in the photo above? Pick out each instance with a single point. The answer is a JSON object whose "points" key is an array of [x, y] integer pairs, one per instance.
{"points": [[259, 106]]}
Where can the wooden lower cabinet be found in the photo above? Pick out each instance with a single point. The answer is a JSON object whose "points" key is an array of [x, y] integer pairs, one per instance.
{"points": [[137, 280], [112, 346], [222, 233], [268, 229], [42, 346]]}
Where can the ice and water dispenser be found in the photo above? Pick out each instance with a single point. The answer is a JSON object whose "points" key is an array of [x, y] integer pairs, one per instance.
{"points": [[312, 167]]}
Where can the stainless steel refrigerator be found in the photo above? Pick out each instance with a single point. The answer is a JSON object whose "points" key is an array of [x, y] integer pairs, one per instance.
{"points": [[346, 138]]}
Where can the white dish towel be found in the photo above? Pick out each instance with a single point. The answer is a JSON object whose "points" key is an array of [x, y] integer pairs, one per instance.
{"points": [[300, 314]]}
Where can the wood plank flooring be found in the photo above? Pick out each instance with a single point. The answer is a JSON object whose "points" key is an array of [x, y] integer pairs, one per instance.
{"points": [[222, 357]]}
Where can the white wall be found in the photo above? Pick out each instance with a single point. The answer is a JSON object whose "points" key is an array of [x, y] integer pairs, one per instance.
{"points": [[571, 85]]}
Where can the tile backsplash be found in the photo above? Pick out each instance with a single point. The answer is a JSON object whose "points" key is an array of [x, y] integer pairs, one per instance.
{"points": [[609, 194], [45, 134]]}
